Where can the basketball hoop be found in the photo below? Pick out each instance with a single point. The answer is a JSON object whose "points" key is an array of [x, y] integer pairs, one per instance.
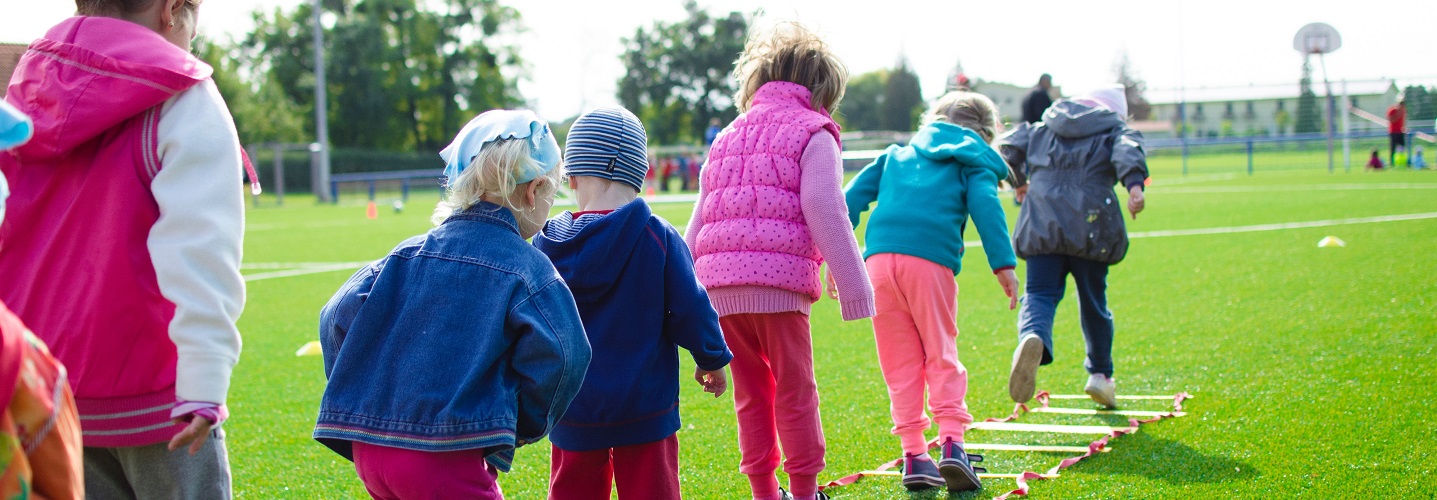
{"points": [[1317, 38]]}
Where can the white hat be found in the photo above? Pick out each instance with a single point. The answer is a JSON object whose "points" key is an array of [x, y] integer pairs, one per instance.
{"points": [[1112, 98]]}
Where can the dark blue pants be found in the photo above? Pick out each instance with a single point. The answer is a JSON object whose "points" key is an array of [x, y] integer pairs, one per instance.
{"points": [[1047, 283]]}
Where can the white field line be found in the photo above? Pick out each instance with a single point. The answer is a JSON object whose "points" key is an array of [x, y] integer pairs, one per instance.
{"points": [[293, 265], [1262, 227], [1295, 188], [303, 269]]}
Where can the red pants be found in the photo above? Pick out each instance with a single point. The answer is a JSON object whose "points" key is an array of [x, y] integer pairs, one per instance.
{"points": [[641, 472], [776, 398], [397, 473]]}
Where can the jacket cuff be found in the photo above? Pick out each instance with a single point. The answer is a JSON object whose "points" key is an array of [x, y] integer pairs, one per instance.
{"points": [[187, 410], [858, 309], [1134, 179], [716, 363], [203, 378]]}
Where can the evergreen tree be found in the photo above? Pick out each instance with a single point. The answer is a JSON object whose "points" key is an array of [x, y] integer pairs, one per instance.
{"points": [[902, 99], [1133, 88], [678, 75], [1421, 106], [1309, 110], [863, 101]]}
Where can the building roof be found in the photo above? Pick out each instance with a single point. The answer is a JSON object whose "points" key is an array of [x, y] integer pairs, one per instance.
{"points": [[1263, 92], [9, 57]]}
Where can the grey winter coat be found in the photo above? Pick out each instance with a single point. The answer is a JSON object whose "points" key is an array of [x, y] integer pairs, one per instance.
{"points": [[1071, 160]]}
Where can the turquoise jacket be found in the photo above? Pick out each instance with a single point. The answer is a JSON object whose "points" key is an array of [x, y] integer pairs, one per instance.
{"points": [[926, 191]]}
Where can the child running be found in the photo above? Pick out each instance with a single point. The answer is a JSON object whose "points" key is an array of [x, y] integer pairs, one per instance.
{"points": [[926, 191], [633, 280], [770, 211], [464, 343]]}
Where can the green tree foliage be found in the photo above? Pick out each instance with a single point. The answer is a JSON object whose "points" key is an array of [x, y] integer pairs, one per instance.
{"points": [[902, 99], [863, 101], [677, 75], [261, 111], [401, 74], [1133, 88], [1309, 110], [1421, 104]]}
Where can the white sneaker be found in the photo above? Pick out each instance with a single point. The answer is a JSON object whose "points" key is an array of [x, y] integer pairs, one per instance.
{"points": [[1023, 379], [1102, 389]]}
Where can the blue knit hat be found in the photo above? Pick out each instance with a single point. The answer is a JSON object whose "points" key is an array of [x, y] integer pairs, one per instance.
{"points": [[609, 143]]}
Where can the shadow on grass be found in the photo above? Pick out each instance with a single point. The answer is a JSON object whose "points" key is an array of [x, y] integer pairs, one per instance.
{"points": [[1142, 454]]}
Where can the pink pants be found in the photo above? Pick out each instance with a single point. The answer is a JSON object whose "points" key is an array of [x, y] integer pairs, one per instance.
{"points": [[397, 473], [916, 335], [641, 471], [776, 398]]}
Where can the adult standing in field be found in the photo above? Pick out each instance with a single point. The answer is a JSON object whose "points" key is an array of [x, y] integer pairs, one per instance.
{"points": [[1396, 130], [1038, 99], [121, 247], [1070, 223]]}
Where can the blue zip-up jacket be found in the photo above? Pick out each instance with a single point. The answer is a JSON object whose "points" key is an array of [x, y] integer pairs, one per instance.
{"points": [[633, 279], [926, 192], [462, 338]]}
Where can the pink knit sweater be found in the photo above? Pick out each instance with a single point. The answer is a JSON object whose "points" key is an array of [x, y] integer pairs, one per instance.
{"points": [[826, 213]]}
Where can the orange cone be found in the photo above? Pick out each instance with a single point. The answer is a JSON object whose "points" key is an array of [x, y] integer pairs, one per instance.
{"points": [[372, 211]]}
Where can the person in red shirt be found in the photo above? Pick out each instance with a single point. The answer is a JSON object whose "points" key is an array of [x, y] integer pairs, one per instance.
{"points": [[1396, 129]]}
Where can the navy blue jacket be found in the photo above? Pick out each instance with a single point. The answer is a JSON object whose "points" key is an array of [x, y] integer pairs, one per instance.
{"points": [[633, 279], [463, 338]]}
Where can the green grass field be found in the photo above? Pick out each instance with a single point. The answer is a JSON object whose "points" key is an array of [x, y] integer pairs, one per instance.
{"points": [[1308, 365]]}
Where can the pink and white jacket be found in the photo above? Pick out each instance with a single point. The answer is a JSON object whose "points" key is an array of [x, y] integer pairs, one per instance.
{"points": [[771, 210], [121, 244]]}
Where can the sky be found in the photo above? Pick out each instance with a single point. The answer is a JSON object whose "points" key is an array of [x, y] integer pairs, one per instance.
{"points": [[573, 47]]}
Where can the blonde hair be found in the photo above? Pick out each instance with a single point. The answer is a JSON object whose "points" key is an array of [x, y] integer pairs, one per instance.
{"points": [[790, 53], [970, 110], [493, 173]]}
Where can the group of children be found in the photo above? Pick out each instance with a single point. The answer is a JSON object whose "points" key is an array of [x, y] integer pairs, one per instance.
{"points": [[1399, 159], [467, 342]]}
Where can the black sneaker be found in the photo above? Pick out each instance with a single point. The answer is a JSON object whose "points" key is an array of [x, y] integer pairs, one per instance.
{"points": [[957, 469], [920, 473]]}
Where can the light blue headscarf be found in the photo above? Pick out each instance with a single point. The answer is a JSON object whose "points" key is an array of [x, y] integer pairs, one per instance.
{"points": [[502, 124], [15, 127]]}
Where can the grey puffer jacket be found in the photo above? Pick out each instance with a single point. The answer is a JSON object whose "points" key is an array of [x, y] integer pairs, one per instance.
{"points": [[1071, 160]]}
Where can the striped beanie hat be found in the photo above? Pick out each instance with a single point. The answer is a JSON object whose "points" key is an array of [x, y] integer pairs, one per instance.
{"points": [[610, 143]]}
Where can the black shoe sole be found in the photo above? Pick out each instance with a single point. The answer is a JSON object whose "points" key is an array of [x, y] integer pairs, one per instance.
{"points": [[958, 477]]}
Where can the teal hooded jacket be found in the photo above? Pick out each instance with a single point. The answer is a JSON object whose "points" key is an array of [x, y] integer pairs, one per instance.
{"points": [[926, 192]]}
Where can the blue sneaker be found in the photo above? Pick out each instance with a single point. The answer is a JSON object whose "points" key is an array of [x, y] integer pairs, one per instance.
{"points": [[957, 469], [920, 473]]}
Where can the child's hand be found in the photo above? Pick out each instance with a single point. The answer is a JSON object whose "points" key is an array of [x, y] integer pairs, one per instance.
{"points": [[830, 284], [1019, 193], [1009, 281], [193, 435], [1135, 200], [714, 382]]}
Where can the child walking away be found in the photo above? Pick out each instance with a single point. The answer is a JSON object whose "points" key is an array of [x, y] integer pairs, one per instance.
{"points": [[121, 248], [464, 343], [633, 280], [1375, 162], [770, 210], [926, 192], [1070, 224]]}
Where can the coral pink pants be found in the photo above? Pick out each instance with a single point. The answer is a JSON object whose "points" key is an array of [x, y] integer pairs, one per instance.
{"points": [[917, 305], [648, 471], [776, 398], [397, 473]]}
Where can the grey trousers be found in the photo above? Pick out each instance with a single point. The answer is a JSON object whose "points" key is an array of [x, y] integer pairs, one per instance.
{"points": [[155, 473]]}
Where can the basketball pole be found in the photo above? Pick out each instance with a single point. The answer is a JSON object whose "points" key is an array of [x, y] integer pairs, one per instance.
{"points": [[321, 112], [1331, 110]]}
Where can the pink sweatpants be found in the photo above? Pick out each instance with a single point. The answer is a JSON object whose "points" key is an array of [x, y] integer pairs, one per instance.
{"points": [[397, 473], [776, 398], [648, 471], [916, 335]]}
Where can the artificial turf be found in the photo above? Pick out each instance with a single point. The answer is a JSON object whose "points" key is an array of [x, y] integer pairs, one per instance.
{"points": [[1309, 365]]}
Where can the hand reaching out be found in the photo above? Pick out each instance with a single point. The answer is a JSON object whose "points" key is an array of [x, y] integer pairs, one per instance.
{"points": [[714, 382], [1009, 281], [831, 285], [1135, 200]]}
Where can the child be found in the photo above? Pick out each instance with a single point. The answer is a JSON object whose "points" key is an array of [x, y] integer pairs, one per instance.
{"points": [[926, 192], [770, 211], [1375, 162], [633, 280], [464, 343], [1070, 223], [1418, 162], [122, 245]]}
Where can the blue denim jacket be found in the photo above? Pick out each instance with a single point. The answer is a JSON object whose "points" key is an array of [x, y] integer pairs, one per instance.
{"points": [[462, 338]]}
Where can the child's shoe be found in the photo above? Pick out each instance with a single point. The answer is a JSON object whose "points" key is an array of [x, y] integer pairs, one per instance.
{"points": [[957, 468], [1023, 379], [920, 473], [1102, 389], [785, 495]]}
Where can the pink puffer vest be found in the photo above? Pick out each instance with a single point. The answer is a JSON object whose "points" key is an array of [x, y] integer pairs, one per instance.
{"points": [[753, 231]]}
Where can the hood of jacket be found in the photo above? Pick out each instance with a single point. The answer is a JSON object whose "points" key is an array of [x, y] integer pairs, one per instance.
{"points": [[1073, 120], [945, 142], [89, 74], [592, 259]]}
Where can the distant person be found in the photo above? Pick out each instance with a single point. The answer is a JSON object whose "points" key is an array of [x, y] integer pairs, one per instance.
{"points": [[633, 280], [1417, 160], [1038, 99], [1070, 224], [763, 225], [715, 126], [464, 343], [926, 193], [122, 245], [1375, 162], [1400, 159], [1396, 130]]}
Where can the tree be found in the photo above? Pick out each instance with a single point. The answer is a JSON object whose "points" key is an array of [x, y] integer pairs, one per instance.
{"points": [[678, 75], [262, 113], [902, 99], [1420, 103], [863, 101], [1309, 111], [1133, 88]]}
